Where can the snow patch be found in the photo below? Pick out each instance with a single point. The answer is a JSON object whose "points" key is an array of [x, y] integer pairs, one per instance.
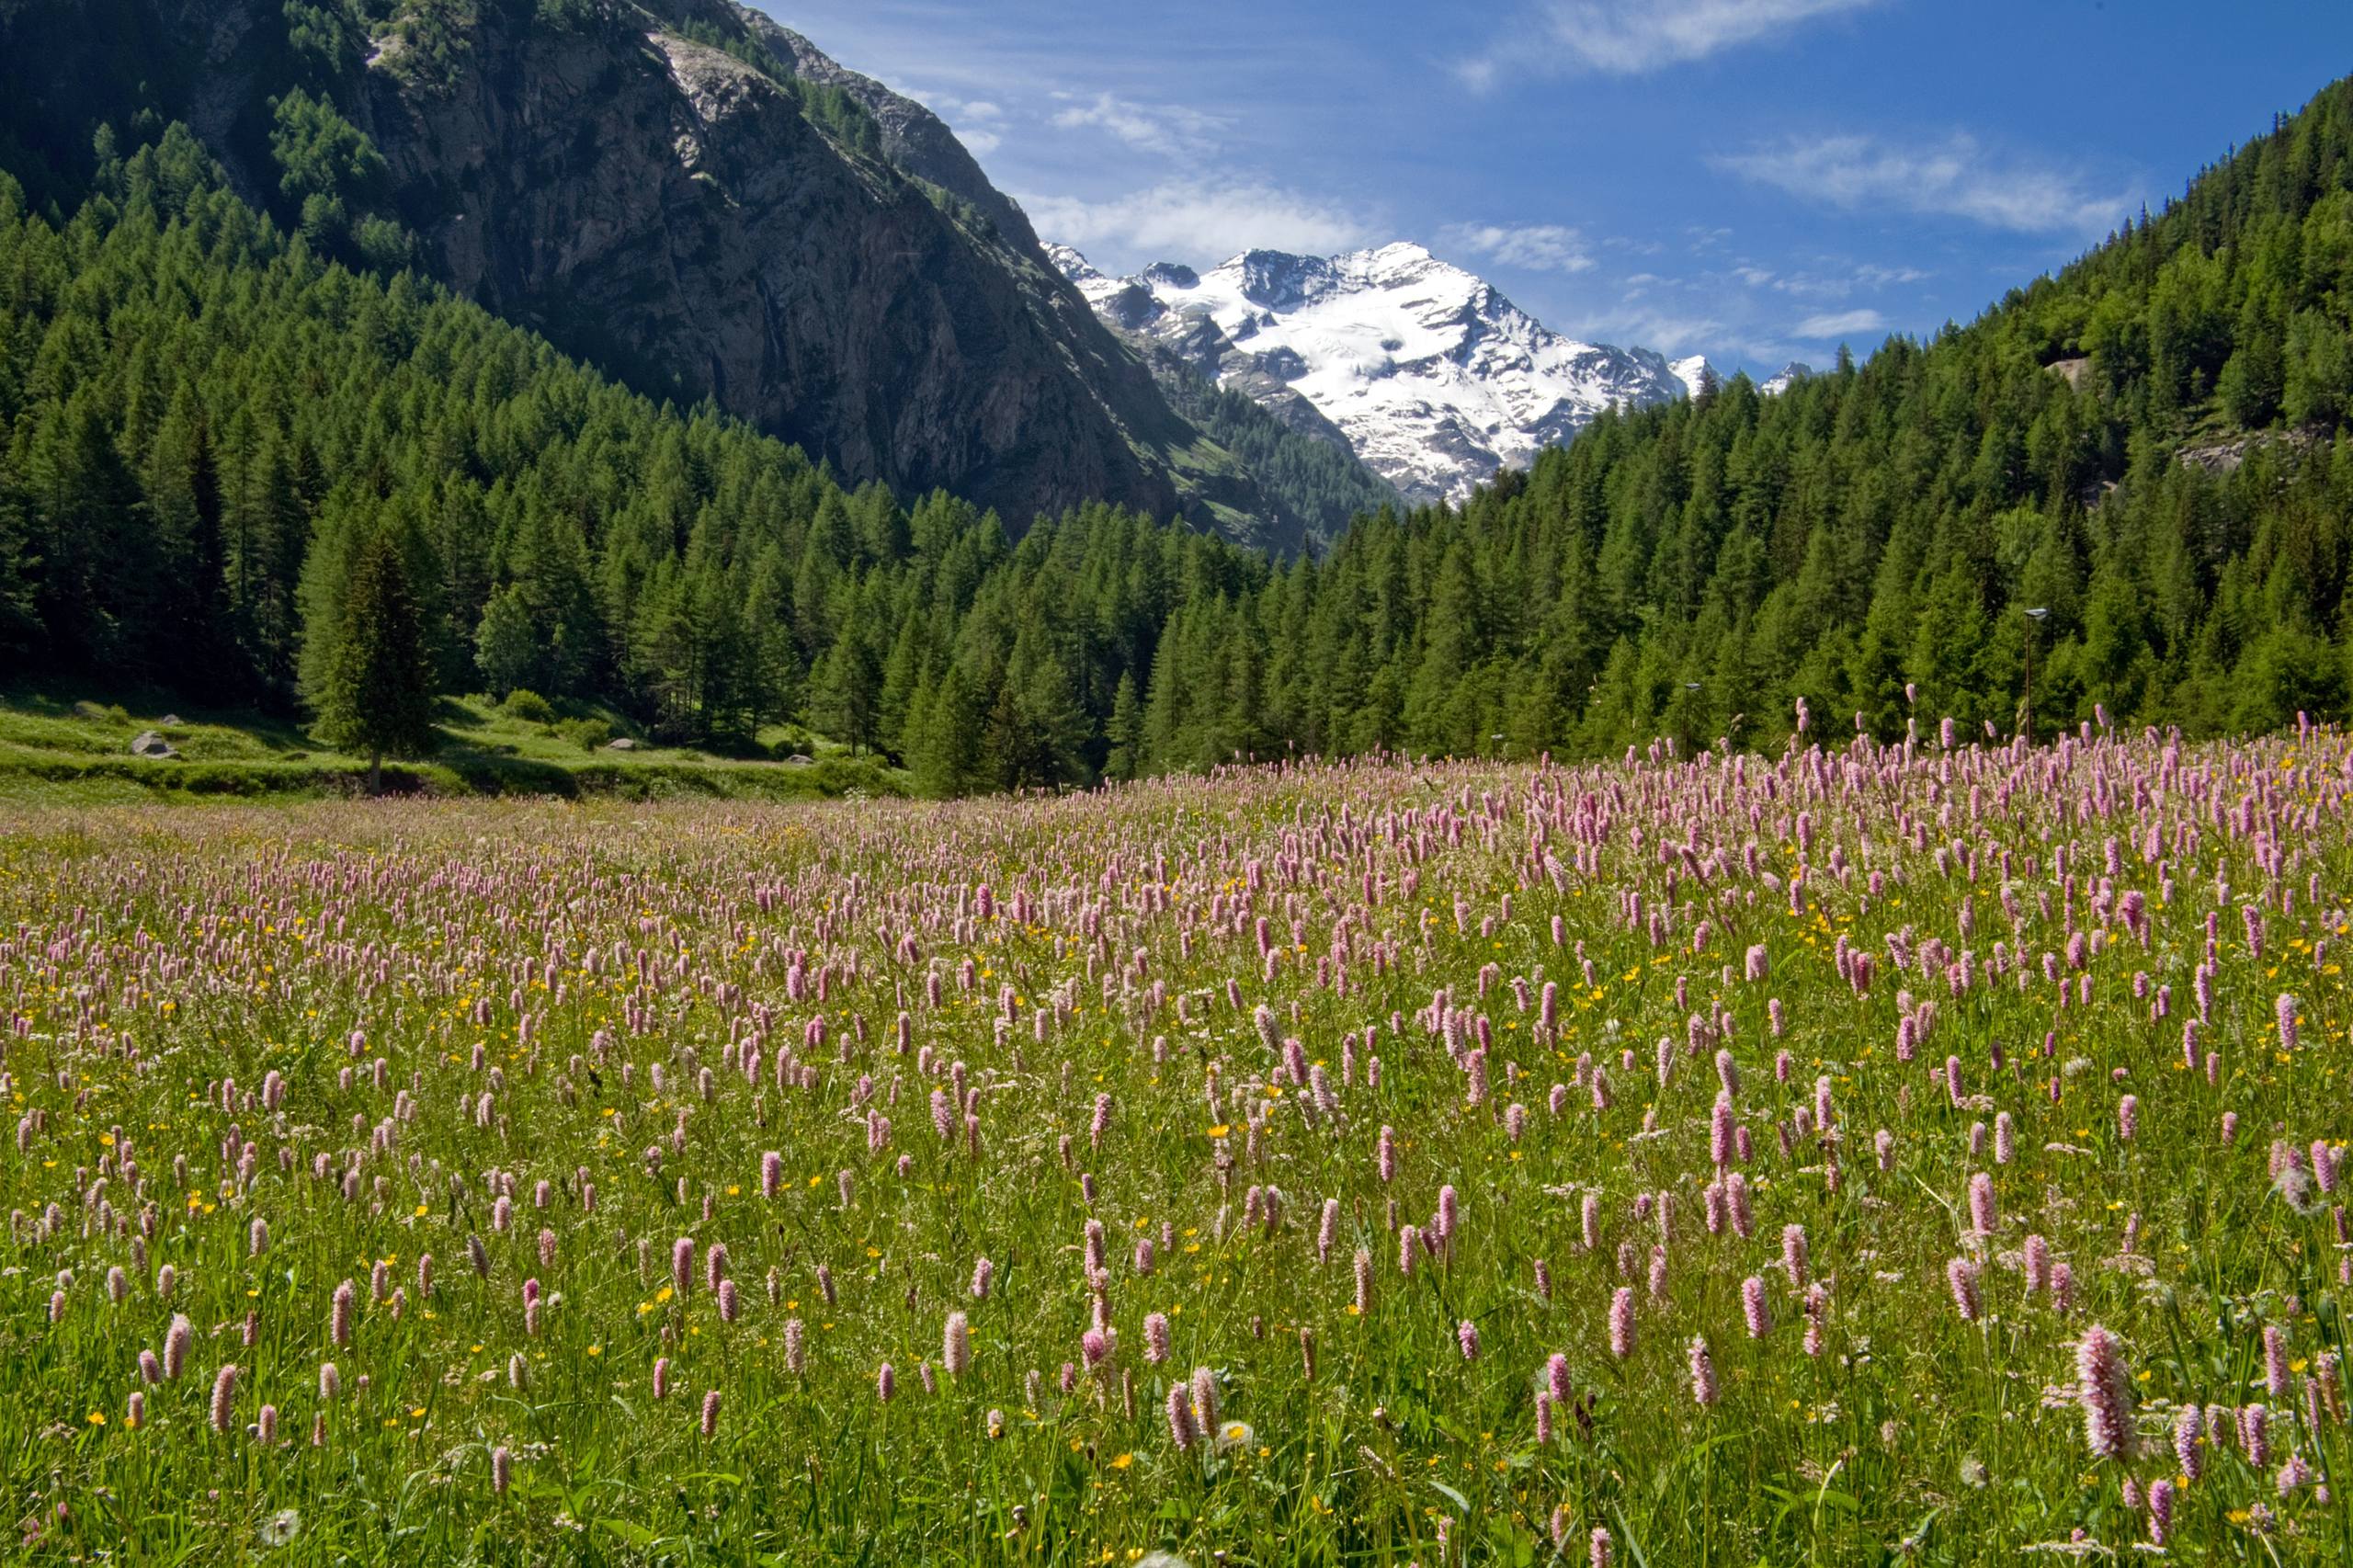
{"points": [[1436, 378]]}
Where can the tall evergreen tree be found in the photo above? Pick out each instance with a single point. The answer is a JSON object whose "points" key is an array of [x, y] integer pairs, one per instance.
{"points": [[377, 693], [506, 647], [944, 737], [1125, 732]]}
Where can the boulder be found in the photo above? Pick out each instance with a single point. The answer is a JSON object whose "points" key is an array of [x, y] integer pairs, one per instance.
{"points": [[623, 743], [147, 743], [171, 722]]}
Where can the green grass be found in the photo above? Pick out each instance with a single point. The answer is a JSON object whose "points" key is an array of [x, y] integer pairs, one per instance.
{"points": [[61, 750], [1145, 956]]}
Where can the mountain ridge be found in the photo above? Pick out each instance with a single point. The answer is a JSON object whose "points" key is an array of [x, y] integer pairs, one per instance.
{"points": [[685, 193], [1430, 373], [208, 419]]}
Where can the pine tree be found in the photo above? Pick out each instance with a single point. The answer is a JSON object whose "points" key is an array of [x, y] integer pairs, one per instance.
{"points": [[944, 734], [776, 670], [1125, 732], [83, 501], [266, 531], [1437, 716], [1036, 729], [506, 647], [21, 630], [378, 696], [2255, 377], [848, 689], [2319, 380], [183, 504], [666, 651], [902, 673]]}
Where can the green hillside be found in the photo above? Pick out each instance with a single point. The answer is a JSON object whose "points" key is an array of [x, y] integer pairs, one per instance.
{"points": [[206, 422]]}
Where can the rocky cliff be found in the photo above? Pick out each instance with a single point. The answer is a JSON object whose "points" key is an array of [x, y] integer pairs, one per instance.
{"points": [[661, 208], [691, 198]]}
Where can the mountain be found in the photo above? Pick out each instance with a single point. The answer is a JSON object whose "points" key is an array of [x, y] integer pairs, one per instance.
{"points": [[207, 417], [205, 424], [1785, 378], [694, 200], [1429, 374], [1694, 373]]}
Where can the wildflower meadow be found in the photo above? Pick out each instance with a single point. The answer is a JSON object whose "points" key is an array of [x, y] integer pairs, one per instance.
{"points": [[1862, 1153]]}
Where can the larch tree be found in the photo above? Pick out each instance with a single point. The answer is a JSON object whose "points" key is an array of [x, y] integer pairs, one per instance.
{"points": [[378, 694]]}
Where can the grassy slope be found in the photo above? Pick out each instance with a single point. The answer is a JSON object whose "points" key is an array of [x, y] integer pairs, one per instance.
{"points": [[64, 751]]}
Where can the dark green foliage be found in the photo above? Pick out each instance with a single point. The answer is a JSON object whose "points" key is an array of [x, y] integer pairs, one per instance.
{"points": [[567, 15], [201, 414], [195, 402], [1320, 484], [428, 39], [506, 645], [1125, 731], [329, 36], [375, 692], [320, 154], [335, 178]]}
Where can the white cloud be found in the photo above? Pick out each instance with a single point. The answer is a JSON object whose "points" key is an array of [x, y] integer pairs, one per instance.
{"points": [[1171, 130], [1840, 323], [1630, 37], [1874, 277], [1955, 177], [978, 124], [1199, 221], [1537, 247], [1835, 281], [950, 106], [1631, 323]]}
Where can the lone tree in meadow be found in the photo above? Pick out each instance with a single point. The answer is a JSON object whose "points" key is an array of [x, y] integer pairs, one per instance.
{"points": [[377, 694]]}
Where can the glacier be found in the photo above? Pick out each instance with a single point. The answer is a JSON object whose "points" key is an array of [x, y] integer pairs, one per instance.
{"points": [[1434, 378]]}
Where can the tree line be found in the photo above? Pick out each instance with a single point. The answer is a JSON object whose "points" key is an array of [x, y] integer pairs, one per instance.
{"points": [[210, 426]]}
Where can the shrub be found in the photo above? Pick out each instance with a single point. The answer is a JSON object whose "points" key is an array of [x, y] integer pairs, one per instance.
{"points": [[529, 705], [586, 734]]}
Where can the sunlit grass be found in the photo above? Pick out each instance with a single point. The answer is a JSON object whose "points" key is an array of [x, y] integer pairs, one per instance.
{"points": [[652, 1000]]}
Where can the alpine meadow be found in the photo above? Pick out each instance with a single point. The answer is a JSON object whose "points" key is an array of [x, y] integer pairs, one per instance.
{"points": [[709, 854]]}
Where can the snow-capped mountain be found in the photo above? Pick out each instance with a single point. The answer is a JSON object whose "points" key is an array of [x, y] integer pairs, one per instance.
{"points": [[1434, 378], [1783, 379]]}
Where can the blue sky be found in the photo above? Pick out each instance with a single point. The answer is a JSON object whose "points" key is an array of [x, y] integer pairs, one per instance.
{"points": [[1756, 180]]}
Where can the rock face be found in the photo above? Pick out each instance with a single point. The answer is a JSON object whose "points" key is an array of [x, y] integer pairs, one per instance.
{"points": [[658, 207], [2227, 457], [1428, 372], [913, 139], [751, 224]]}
